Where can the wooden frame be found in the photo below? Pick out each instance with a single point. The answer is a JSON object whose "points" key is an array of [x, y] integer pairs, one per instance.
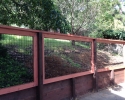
{"points": [[110, 41], [65, 37], [22, 32], [33, 33], [78, 38]]}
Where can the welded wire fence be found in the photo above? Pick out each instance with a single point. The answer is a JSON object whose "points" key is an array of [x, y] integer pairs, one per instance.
{"points": [[62, 58], [109, 55], [16, 60]]}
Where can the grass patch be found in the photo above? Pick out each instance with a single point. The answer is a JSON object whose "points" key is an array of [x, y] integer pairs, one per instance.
{"points": [[60, 44], [20, 43], [17, 40], [87, 46]]}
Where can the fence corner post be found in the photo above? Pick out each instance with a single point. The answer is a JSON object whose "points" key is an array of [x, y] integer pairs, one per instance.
{"points": [[93, 61], [40, 67]]}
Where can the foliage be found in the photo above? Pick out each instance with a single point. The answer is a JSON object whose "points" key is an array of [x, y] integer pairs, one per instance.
{"points": [[114, 34], [109, 19], [91, 17], [105, 17], [3, 50], [78, 13], [13, 73], [80, 17], [35, 14]]}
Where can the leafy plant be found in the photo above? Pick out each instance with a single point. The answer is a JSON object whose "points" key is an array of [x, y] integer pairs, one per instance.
{"points": [[114, 34], [3, 50], [13, 73]]}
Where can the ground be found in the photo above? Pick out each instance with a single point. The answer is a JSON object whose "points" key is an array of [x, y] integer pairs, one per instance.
{"points": [[112, 93], [54, 65]]}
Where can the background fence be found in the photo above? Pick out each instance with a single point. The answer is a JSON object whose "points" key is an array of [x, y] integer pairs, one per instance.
{"points": [[36, 58]]}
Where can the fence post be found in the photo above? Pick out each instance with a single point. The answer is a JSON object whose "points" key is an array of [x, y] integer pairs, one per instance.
{"points": [[112, 78], [94, 68], [40, 67], [73, 89]]}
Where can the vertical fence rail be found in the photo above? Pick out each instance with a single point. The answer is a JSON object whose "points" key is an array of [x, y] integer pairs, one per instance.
{"points": [[112, 78], [40, 67], [73, 88], [94, 67]]}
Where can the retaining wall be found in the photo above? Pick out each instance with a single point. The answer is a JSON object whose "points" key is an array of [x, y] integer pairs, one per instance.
{"points": [[61, 90]]}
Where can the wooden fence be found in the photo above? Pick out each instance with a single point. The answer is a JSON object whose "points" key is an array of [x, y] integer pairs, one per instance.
{"points": [[40, 82]]}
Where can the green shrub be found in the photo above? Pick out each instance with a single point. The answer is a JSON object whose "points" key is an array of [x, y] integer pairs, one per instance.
{"points": [[114, 34], [3, 50], [13, 73]]}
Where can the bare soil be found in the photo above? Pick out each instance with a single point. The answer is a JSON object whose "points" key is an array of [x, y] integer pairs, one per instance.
{"points": [[54, 65]]}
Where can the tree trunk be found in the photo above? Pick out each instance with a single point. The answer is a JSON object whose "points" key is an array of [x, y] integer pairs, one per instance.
{"points": [[73, 42]]}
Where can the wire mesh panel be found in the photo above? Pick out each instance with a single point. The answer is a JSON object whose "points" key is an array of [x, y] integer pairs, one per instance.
{"points": [[109, 55], [16, 60], [62, 57]]}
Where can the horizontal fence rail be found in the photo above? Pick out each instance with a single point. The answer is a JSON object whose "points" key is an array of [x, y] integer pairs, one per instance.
{"points": [[52, 45]]}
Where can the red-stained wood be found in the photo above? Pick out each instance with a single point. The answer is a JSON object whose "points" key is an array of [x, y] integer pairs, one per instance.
{"points": [[84, 84], [27, 94], [110, 41], [17, 88], [103, 79], [60, 78], [41, 74], [43, 58], [124, 75], [119, 76], [40, 67], [17, 28], [67, 37], [110, 68], [10, 30], [16, 32], [94, 67], [35, 54], [92, 57], [112, 77]]}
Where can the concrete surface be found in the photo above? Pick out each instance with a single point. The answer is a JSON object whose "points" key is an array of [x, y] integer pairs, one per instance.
{"points": [[112, 93]]}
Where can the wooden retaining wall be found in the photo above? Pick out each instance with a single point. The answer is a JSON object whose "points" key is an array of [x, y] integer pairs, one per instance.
{"points": [[61, 90]]}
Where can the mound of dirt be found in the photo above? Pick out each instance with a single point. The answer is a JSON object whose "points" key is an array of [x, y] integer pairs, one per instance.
{"points": [[56, 66]]}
